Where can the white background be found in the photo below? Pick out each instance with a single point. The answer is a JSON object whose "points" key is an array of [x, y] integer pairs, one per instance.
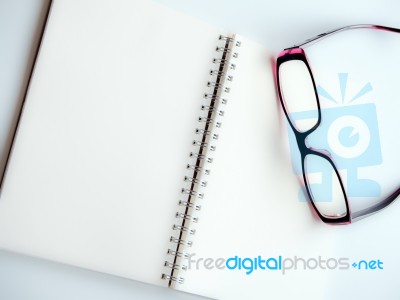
{"points": [[276, 24]]}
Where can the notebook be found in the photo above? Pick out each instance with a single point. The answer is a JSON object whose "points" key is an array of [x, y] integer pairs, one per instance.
{"points": [[151, 147]]}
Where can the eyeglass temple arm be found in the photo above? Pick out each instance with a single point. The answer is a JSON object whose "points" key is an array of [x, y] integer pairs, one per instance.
{"points": [[328, 33], [377, 207]]}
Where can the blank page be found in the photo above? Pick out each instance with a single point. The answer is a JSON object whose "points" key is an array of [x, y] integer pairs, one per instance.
{"points": [[98, 161]]}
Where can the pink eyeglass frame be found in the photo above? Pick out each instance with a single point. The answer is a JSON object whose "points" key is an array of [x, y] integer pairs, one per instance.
{"points": [[296, 52]]}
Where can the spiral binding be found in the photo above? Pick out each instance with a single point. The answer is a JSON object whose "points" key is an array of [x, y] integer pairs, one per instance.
{"points": [[204, 144]]}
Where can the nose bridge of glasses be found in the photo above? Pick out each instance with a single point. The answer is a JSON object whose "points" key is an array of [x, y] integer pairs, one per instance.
{"points": [[314, 140], [301, 138], [306, 143]]}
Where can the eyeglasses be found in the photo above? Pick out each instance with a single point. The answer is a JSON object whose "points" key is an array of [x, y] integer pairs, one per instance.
{"points": [[298, 93]]}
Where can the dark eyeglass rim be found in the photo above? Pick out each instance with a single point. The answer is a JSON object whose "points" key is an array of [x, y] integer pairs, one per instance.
{"points": [[297, 53]]}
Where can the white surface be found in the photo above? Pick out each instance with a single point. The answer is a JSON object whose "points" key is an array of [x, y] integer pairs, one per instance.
{"points": [[274, 24], [279, 25], [20, 28], [25, 278]]}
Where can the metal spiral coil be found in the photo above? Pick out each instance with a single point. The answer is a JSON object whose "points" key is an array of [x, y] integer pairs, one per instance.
{"points": [[174, 266], [218, 86], [222, 61], [180, 241], [217, 72], [192, 193], [222, 49], [215, 98], [204, 143], [198, 169], [206, 120], [183, 228], [200, 156], [199, 143], [189, 204], [202, 131], [230, 40], [212, 108], [172, 278], [207, 132], [177, 253], [186, 217], [202, 183]]}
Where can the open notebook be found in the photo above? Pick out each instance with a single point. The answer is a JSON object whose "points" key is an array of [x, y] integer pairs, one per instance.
{"points": [[134, 159]]}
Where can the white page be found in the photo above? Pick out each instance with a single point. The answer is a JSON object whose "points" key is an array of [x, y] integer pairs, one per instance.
{"points": [[97, 166], [251, 208]]}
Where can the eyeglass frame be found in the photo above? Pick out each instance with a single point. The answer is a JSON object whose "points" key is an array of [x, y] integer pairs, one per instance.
{"points": [[296, 52]]}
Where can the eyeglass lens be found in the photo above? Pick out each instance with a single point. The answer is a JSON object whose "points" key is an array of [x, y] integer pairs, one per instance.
{"points": [[324, 186], [298, 93]]}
